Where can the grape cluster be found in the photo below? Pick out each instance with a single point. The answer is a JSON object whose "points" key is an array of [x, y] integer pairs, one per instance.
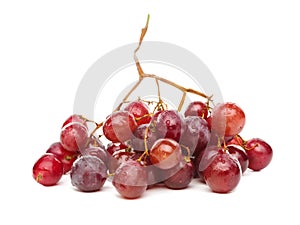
{"points": [[146, 147]]}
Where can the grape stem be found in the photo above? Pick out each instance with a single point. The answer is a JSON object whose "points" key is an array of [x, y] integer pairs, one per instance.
{"points": [[143, 75]]}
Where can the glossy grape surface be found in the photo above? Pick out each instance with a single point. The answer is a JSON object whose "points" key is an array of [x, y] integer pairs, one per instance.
{"points": [[196, 108], [259, 153], [74, 136], [165, 153], [119, 126], [47, 170], [223, 174], [130, 179], [227, 119]]}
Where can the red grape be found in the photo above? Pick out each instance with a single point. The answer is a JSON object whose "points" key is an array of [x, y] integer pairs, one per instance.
{"points": [[223, 174], [170, 124], [75, 118], [130, 179], [259, 153], [119, 126], [182, 178], [197, 109], [74, 136], [165, 153], [140, 111], [66, 157], [88, 173], [48, 170], [227, 119], [238, 153]]}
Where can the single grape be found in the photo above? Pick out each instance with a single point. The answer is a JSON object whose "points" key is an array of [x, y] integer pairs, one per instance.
{"points": [[259, 153], [165, 153], [223, 174], [183, 176], [66, 157], [47, 170], [196, 135], [88, 173], [197, 108], [140, 111], [227, 119], [137, 138], [169, 124], [238, 153], [119, 126], [130, 179], [74, 136]]}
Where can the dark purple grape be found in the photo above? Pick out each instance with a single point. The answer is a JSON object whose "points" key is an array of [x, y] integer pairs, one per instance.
{"points": [[182, 178], [196, 135], [137, 138], [88, 173], [130, 179], [169, 124], [95, 151]]}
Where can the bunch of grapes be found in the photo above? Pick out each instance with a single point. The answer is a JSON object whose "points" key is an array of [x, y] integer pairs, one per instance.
{"points": [[148, 147]]}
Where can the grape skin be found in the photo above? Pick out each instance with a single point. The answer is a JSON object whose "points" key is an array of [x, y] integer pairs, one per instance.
{"points": [[227, 119], [74, 136], [182, 178], [88, 173], [165, 153], [130, 179], [223, 174], [259, 153], [119, 126], [196, 135], [169, 124]]}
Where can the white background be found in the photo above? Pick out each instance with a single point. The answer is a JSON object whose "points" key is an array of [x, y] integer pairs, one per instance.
{"points": [[251, 47]]}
